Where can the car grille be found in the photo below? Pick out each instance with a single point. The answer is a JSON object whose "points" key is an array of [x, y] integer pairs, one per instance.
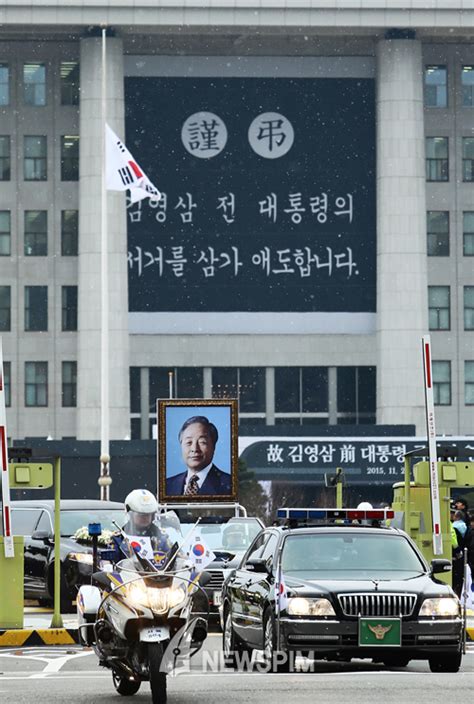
{"points": [[377, 604], [216, 581]]}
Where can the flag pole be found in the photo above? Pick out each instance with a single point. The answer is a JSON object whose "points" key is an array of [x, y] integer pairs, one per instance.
{"points": [[104, 479]]}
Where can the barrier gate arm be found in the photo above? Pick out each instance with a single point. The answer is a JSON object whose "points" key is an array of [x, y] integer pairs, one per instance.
{"points": [[6, 507]]}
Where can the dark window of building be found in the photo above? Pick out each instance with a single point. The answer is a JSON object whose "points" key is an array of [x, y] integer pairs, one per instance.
{"points": [[314, 387], [436, 86], [36, 383], [224, 382], [5, 158], [36, 308], [136, 428], [69, 158], [287, 390], [69, 384], [468, 158], [159, 384], [469, 383], [356, 397], [34, 84], [135, 394], [69, 72], [437, 161], [189, 382], [467, 86], [5, 309], [468, 233], [251, 390], [7, 382], [35, 166], [69, 308], [468, 307], [437, 222], [69, 233], [442, 383], [36, 233], [4, 84], [5, 233], [439, 307]]}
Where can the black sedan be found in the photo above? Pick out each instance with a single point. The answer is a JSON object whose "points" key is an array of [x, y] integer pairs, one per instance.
{"points": [[338, 592], [35, 521]]}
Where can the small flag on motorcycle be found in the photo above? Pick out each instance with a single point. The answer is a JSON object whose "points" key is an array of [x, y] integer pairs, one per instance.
{"points": [[197, 552], [141, 545]]}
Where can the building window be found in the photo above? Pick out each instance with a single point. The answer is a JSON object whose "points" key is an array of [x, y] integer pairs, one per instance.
{"points": [[468, 233], [5, 233], [187, 382], [69, 72], [468, 158], [5, 309], [4, 84], [36, 308], [7, 385], [356, 403], [437, 163], [35, 166], [437, 224], [135, 391], [467, 86], [69, 158], [69, 308], [69, 233], [34, 84], [301, 395], [5, 158], [247, 384], [436, 84], [36, 383], [69, 384], [469, 383], [36, 233], [442, 383], [468, 307], [439, 307]]}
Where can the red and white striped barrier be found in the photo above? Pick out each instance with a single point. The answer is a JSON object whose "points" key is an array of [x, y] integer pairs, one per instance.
{"points": [[6, 508], [433, 455]]}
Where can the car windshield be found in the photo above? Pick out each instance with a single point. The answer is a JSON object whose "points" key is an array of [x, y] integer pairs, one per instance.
{"points": [[357, 556], [233, 536], [72, 520]]}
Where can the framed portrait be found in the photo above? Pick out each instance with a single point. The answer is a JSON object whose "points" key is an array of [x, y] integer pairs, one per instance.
{"points": [[197, 450]]}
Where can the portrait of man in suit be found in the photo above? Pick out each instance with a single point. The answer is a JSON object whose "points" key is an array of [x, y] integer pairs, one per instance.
{"points": [[198, 438]]}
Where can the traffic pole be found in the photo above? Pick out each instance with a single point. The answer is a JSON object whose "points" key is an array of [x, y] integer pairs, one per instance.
{"points": [[6, 506], [432, 451]]}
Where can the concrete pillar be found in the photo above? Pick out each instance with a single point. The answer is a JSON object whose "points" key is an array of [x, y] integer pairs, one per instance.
{"points": [[402, 308], [88, 406]]}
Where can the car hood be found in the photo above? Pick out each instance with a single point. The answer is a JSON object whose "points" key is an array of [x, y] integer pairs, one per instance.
{"points": [[415, 584]]}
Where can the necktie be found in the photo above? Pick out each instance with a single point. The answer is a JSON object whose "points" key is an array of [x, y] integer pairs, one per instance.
{"points": [[192, 487]]}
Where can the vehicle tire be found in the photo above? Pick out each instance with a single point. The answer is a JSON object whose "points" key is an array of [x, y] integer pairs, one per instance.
{"points": [[123, 685], [66, 599], [271, 655], [449, 662], [157, 678], [231, 644], [396, 661]]}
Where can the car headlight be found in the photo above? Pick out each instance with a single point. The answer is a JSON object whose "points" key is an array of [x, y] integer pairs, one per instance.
{"points": [[85, 557], [299, 606], [446, 606]]}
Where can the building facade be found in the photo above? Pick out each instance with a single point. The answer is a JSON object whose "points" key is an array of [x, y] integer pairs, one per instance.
{"points": [[398, 87]]}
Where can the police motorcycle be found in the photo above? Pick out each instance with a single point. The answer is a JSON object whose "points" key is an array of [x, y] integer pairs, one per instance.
{"points": [[138, 618]]}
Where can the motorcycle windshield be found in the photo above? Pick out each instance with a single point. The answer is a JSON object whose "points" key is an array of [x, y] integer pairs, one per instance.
{"points": [[156, 548]]}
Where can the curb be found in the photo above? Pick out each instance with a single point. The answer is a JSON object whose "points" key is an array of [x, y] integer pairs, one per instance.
{"points": [[20, 637]]}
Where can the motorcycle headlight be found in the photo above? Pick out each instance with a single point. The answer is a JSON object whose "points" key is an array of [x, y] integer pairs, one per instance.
{"points": [[176, 596], [446, 606], [299, 606], [84, 557]]}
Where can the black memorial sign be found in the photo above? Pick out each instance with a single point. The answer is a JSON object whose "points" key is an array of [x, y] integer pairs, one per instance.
{"points": [[269, 194]]}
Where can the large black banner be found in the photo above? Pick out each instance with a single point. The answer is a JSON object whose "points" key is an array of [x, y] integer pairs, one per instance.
{"points": [[268, 195]]}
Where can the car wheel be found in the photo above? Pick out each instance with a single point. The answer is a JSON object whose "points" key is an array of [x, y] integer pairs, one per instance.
{"points": [[231, 644], [66, 598], [124, 686], [276, 661], [449, 662]]}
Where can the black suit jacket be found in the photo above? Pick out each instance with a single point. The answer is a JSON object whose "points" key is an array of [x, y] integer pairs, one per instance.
{"points": [[217, 482]]}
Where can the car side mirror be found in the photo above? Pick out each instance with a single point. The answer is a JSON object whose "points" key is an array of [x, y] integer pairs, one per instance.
{"points": [[439, 565], [42, 535], [257, 564]]}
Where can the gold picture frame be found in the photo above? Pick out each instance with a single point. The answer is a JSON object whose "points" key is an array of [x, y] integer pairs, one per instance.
{"points": [[181, 456]]}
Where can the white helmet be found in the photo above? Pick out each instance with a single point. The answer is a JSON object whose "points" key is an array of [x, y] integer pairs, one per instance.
{"points": [[141, 501], [365, 506]]}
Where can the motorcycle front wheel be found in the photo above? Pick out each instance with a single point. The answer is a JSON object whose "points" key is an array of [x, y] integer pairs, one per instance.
{"points": [[123, 685], [157, 678]]}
